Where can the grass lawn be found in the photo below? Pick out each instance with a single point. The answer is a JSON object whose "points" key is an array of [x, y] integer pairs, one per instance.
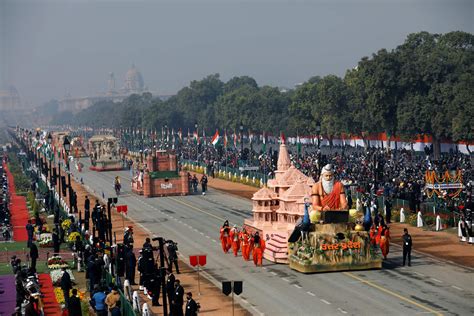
{"points": [[13, 246], [41, 267]]}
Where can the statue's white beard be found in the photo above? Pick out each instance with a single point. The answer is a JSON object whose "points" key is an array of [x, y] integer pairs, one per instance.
{"points": [[328, 185]]}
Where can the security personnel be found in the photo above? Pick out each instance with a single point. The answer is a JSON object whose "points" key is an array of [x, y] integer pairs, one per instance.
{"points": [[407, 244], [191, 306]]}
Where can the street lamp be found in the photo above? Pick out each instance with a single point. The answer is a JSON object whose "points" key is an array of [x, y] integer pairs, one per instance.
{"points": [[67, 149]]}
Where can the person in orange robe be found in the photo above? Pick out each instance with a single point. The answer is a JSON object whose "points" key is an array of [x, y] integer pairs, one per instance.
{"points": [[225, 240], [379, 235], [234, 237], [245, 244], [258, 249], [385, 241], [373, 235]]}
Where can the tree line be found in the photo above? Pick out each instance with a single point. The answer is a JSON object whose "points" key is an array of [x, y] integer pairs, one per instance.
{"points": [[423, 86]]}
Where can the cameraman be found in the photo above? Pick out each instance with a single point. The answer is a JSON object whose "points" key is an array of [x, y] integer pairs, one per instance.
{"points": [[170, 249]]}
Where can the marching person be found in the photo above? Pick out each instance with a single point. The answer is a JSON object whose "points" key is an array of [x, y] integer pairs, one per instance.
{"points": [[407, 245], [204, 184], [258, 249], [234, 237], [245, 244], [224, 237]]}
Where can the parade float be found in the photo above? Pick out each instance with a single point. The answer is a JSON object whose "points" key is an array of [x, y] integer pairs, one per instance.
{"points": [[77, 147], [104, 152], [161, 176], [316, 236]]}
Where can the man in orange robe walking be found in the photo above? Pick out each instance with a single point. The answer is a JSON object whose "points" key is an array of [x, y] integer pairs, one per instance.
{"points": [[245, 244], [385, 241], [258, 249], [224, 237], [234, 237]]}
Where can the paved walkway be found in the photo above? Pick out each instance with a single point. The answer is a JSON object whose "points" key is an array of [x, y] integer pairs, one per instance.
{"points": [[442, 245], [212, 301]]}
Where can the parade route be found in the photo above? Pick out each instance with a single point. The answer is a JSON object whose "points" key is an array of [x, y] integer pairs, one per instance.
{"points": [[428, 287]]}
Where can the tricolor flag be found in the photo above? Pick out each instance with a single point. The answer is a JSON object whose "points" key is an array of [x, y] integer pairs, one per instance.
{"points": [[235, 139], [215, 138], [196, 137], [180, 135], [264, 148], [225, 138], [189, 137]]}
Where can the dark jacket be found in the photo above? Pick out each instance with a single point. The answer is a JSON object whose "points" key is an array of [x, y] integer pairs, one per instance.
{"points": [[66, 283], [191, 308], [33, 251], [178, 295], [74, 306], [407, 242]]}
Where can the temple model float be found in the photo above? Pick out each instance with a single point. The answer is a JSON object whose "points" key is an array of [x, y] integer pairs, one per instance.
{"points": [[318, 240]]}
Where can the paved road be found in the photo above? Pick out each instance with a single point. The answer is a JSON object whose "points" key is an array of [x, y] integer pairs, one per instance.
{"points": [[428, 287]]}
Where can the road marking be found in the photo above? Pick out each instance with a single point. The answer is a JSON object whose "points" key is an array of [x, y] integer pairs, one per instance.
{"points": [[436, 280], [311, 293], [341, 310], [214, 240], [197, 209], [202, 233], [325, 302], [420, 274], [457, 287], [264, 268], [297, 286], [273, 272], [208, 237], [285, 279], [392, 293]]}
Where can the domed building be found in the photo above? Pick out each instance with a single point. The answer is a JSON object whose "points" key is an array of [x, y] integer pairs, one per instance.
{"points": [[133, 81], [9, 99], [134, 84]]}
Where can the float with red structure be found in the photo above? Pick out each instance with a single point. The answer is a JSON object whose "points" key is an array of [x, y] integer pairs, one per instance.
{"points": [[162, 177]]}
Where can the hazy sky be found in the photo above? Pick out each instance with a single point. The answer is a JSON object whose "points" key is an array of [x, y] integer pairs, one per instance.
{"points": [[53, 47]]}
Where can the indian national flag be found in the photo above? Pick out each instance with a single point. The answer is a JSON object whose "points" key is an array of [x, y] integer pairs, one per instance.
{"points": [[196, 137], [225, 139], [215, 138]]}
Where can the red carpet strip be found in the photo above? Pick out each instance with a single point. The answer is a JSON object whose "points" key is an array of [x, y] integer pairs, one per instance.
{"points": [[51, 306], [19, 211]]}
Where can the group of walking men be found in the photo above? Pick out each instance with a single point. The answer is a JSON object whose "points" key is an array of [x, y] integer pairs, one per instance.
{"points": [[249, 244]]}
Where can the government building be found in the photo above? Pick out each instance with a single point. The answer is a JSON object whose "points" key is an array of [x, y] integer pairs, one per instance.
{"points": [[133, 84]]}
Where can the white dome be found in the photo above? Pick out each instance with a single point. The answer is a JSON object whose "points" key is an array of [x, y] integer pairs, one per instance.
{"points": [[134, 80]]}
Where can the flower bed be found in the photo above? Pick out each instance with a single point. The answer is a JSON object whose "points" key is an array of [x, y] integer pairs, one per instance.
{"points": [[58, 292], [57, 274], [46, 240], [57, 262]]}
